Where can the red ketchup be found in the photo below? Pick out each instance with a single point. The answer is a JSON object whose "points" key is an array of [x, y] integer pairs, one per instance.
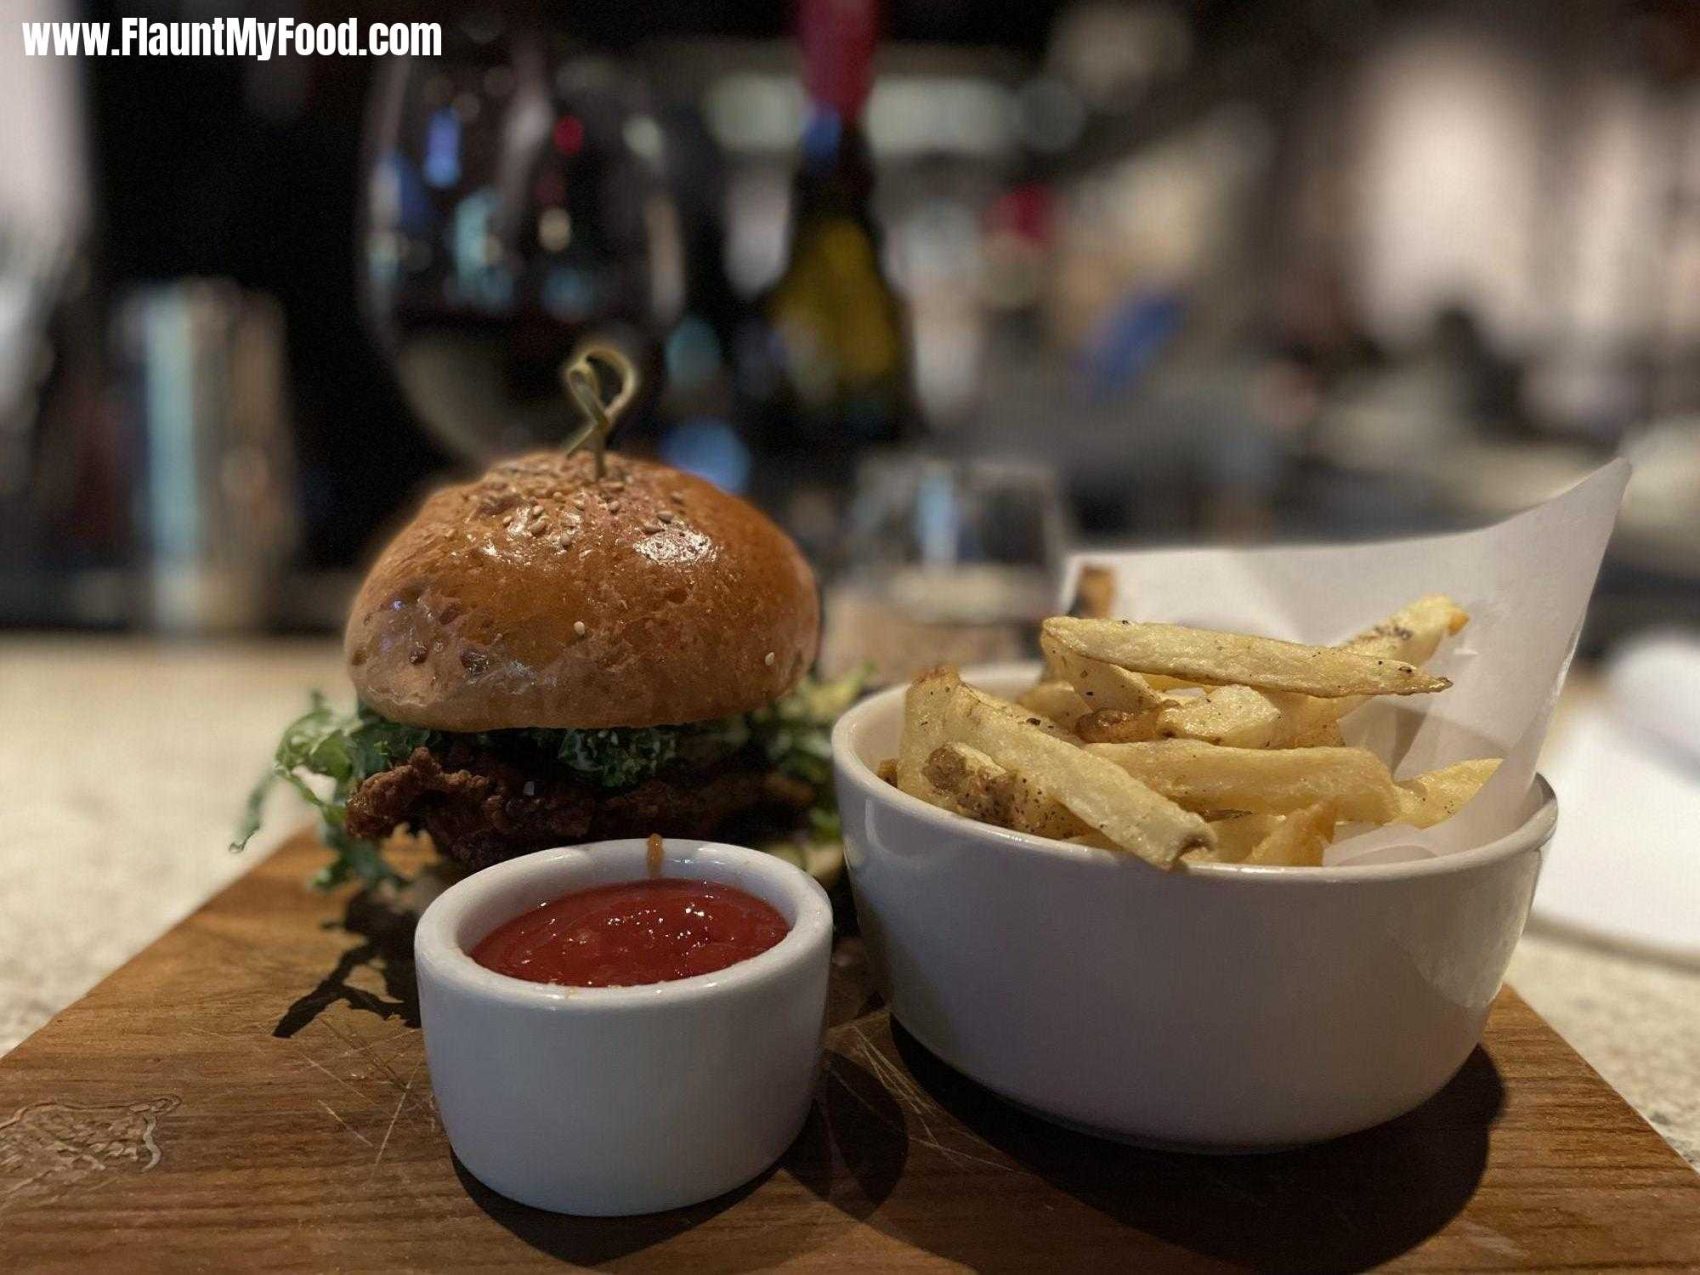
{"points": [[641, 932]]}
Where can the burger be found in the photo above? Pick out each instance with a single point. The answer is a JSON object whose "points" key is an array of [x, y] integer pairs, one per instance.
{"points": [[549, 655]]}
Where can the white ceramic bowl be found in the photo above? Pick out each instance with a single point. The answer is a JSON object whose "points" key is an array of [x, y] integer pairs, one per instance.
{"points": [[615, 1100], [1221, 1008]]}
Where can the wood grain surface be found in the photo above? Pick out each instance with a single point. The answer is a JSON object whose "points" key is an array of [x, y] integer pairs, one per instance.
{"points": [[250, 1092]]}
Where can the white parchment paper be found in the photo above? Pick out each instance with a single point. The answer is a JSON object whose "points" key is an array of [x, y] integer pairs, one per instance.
{"points": [[1525, 582]]}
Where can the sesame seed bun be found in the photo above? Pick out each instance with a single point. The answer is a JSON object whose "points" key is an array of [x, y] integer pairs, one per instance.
{"points": [[538, 596]]}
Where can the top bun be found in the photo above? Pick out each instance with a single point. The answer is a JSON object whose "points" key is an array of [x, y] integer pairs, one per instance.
{"points": [[539, 596]]}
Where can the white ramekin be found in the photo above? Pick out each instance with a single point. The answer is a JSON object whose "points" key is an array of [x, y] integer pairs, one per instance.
{"points": [[1224, 1007], [616, 1100]]}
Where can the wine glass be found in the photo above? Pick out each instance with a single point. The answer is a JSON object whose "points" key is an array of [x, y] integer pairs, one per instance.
{"points": [[514, 209], [956, 561]]}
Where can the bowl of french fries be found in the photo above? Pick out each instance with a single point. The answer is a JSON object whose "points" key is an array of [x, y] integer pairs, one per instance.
{"points": [[1101, 886]]}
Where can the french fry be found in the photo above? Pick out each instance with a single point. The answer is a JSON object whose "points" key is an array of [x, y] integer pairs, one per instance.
{"points": [[1245, 718], [1325, 736], [1094, 592], [1438, 795], [1054, 699], [926, 706], [1094, 598], [1096, 790], [981, 789], [969, 781], [1233, 715], [1414, 632], [1159, 682], [1263, 780], [1242, 763], [1267, 664], [1112, 726], [1101, 685], [1241, 717], [1237, 835], [1298, 840]]}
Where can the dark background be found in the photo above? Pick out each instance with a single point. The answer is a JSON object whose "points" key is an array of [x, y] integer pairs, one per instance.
{"points": [[252, 172]]}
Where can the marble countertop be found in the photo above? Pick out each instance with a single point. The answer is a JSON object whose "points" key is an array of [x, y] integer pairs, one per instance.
{"points": [[124, 763]]}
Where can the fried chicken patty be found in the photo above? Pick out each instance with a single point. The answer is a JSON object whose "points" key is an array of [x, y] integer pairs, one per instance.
{"points": [[481, 806]]}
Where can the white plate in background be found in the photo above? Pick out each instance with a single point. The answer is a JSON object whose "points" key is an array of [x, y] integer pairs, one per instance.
{"points": [[1625, 863]]}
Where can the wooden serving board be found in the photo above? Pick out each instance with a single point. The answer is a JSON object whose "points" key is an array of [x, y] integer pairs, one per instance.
{"points": [[251, 1092]]}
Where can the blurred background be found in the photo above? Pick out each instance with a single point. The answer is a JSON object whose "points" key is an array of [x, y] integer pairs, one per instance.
{"points": [[1118, 270], [951, 289]]}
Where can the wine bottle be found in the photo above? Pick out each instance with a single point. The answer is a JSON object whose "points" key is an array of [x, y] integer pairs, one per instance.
{"points": [[826, 367]]}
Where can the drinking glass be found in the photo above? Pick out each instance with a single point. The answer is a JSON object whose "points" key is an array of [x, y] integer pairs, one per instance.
{"points": [[514, 208], [955, 562]]}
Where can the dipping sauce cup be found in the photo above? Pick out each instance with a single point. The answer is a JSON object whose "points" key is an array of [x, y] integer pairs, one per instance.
{"points": [[607, 1101]]}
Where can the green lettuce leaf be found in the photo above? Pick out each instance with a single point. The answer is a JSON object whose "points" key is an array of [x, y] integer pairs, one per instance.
{"points": [[325, 755]]}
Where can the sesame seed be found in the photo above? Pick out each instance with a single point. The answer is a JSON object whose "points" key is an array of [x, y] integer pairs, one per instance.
{"points": [[613, 506], [579, 628], [666, 515], [769, 660]]}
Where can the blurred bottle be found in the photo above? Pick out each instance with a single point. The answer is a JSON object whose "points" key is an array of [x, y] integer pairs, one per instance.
{"points": [[64, 526], [825, 364], [695, 418], [203, 378]]}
